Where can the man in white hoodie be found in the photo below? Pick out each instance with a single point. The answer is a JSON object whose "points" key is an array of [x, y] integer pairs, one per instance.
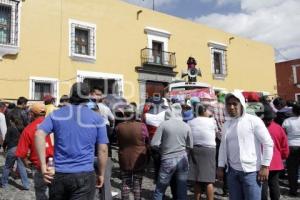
{"points": [[246, 150]]}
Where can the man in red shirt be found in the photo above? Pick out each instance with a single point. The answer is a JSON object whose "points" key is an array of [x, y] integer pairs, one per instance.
{"points": [[26, 145]]}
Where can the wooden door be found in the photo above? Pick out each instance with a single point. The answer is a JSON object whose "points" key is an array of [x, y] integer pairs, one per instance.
{"points": [[155, 88]]}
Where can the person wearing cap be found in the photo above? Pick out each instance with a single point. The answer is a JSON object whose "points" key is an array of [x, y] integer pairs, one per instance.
{"points": [[26, 144], [133, 141], [246, 149], [172, 137], [49, 102], [280, 153], [77, 130]]}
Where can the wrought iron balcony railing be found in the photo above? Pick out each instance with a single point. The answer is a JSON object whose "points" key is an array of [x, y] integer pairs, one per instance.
{"points": [[159, 58]]}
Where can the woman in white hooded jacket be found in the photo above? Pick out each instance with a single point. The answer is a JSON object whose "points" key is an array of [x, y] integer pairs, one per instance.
{"points": [[246, 150]]}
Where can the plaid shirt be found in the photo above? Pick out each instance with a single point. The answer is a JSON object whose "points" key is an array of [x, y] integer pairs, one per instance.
{"points": [[219, 115]]}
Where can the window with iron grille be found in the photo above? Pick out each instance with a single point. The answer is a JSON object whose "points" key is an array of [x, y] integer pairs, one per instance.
{"points": [[218, 60], [41, 90], [82, 40], [9, 22], [42, 86]]}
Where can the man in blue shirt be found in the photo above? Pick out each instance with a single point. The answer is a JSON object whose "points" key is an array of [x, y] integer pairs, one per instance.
{"points": [[76, 130]]}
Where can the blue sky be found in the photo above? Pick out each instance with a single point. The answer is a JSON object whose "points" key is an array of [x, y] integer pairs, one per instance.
{"points": [[194, 8], [274, 22]]}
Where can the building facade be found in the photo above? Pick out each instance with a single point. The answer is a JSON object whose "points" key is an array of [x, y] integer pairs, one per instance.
{"points": [[45, 46], [288, 79]]}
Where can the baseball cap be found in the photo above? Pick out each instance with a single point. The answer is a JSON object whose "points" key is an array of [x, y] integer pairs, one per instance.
{"points": [[48, 98], [38, 108]]}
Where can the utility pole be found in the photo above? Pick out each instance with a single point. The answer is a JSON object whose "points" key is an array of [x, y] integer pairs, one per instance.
{"points": [[153, 6]]}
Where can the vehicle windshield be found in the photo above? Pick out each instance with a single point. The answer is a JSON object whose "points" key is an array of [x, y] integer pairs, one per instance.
{"points": [[182, 88]]}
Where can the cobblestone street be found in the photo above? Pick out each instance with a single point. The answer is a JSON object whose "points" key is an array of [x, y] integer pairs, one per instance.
{"points": [[15, 192]]}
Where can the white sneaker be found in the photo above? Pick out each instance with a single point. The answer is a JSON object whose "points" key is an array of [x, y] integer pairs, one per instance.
{"points": [[113, 194]]}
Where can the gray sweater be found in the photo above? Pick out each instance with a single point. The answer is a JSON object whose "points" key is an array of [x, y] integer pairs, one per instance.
{"points": [[172, 136]]}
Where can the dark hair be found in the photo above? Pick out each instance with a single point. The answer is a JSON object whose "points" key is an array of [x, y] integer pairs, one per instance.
{"points": [[200, 109], [296, 109], [11, 106], [79, 93], [96, 88], [133, 104], [64, 98], [49, 101], [263, 99], [290, 103], [279, 102], [2, 105], [129, 116], [268, 114], [15, 119], [22, 101], [191, 60], [231, 96]]}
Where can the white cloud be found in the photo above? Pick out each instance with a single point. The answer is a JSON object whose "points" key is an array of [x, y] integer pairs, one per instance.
{"points": [[274, 22], [220, 2], [252, 5]]}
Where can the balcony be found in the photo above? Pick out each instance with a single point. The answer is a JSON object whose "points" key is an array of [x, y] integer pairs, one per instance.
{"points": [[158, 58], [157, 62]]}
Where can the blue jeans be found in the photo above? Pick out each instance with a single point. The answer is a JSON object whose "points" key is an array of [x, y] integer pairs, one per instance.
{"points": [[177, 167], [9, 163], [243, 186]]}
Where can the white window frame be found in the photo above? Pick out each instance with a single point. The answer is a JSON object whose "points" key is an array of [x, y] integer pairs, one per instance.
{"points": [[38, 79], [92, 28], [158, 35], [294, 68], [81, 75], [12, 48], [219, 48]]}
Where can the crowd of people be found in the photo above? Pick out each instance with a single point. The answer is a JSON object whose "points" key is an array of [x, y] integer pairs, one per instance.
{"points": [[246, 143]]}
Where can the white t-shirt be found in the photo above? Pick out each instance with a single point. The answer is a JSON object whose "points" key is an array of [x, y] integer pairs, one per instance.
{"points": [[106, 113], [203, 131], [292, 127], [233, 148], [3, 127]]}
